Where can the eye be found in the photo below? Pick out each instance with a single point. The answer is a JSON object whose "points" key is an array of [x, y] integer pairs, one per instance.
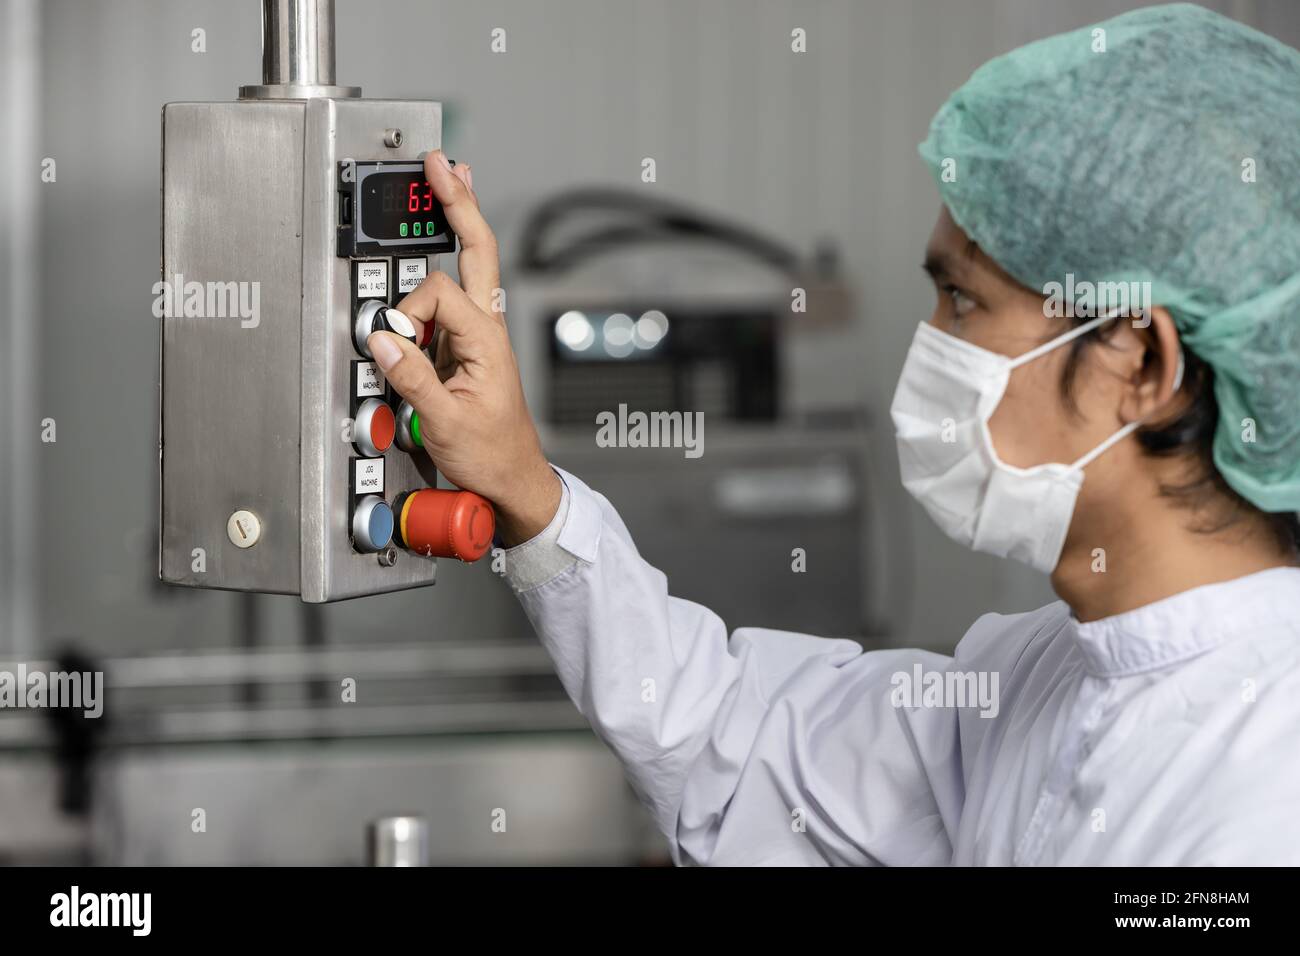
{"points": [[961, 302]]}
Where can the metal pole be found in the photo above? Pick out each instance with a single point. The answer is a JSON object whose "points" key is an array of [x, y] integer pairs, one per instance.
{"points": [[398, 841], [21, 94], [298, 42], [297, 52]]}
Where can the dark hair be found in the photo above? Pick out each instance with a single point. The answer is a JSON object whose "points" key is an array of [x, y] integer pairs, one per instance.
{"points": [[1190, 434]]}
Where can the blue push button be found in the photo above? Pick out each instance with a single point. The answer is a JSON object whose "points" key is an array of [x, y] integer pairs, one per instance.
{"points": [[372, 524]]}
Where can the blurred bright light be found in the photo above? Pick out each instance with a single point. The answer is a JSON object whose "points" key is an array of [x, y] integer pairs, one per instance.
{"points": [[574, 331], [618, 330], [650, 329]]}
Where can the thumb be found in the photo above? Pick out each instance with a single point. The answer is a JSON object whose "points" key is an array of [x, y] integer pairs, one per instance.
{"points": [[410, 373]]}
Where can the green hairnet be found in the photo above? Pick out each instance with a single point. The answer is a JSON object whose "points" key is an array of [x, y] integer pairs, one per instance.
{"points": [[1165, 149]]}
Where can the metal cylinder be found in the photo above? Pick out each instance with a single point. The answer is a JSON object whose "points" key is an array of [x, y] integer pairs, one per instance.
{"points": [[398, 841], [298, 42], [297, 52]]}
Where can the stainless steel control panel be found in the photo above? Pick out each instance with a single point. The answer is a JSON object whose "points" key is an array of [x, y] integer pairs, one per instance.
{"points": [[276, 447]]}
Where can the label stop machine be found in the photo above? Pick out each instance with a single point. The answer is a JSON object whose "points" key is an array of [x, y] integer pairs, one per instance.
{"points": [[293, 220]]}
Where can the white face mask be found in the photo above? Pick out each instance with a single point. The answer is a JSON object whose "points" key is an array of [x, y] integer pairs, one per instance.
{"points": [[946, 394]]}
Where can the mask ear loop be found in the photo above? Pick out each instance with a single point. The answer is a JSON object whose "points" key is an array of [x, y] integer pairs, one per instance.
{"points": [[1131, 427], [1060, 340]]}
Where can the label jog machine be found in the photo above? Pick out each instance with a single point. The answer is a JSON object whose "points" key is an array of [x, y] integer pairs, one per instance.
{"points": [[293, 221]]}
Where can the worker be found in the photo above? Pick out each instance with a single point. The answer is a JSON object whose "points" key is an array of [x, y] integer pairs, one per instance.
{"points": [[1146, 456]]}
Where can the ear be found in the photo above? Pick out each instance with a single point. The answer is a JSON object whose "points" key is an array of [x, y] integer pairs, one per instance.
{"points": [[1152, 392]]}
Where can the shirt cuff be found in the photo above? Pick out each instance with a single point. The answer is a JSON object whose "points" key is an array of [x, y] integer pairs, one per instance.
{"points": [[541, 558]]}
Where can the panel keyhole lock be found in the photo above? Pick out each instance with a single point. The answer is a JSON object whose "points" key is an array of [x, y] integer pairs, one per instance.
{"points": [[374, 316], [244, 529]]}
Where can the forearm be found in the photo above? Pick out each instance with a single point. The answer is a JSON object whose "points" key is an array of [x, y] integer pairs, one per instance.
{"points": [[647, 670]]}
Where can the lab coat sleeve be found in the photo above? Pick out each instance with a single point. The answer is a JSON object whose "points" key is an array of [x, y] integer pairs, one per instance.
{"points": [[771, 747]]}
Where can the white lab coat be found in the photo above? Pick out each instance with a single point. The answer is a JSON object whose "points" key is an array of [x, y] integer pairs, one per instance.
{"points": [[1165, 735]]}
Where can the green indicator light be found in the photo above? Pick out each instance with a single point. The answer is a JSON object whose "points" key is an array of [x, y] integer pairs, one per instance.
{"points": [[415, 429], [415, 229], [402, 229], [429, 230]]}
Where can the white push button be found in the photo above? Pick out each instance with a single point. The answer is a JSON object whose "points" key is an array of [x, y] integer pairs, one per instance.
{"points": [[374, 316], [399, 323]]}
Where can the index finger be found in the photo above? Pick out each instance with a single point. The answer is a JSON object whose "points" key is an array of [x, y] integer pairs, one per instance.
{"points": [[480, 269], [438, 300]]}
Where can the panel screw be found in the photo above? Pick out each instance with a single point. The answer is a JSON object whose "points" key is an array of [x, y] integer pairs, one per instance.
{"points": [[388, 557], [392, 138]]}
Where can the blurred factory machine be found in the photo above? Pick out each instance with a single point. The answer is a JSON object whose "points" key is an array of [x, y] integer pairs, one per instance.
{"points": [[623, 304]]}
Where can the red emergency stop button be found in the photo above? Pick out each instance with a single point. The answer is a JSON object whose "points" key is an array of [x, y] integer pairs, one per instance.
{"points": [[442, 523], [374, 427]]}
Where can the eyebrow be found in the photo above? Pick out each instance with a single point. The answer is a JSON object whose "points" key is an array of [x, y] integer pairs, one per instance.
{"points": [[941, 264]]}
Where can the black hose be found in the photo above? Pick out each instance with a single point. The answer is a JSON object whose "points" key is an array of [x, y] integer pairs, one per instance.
{"points": [[659, 220]]}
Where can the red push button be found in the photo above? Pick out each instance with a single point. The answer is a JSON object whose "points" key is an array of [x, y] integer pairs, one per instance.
{"points": [[441, 523], [374, 427]]}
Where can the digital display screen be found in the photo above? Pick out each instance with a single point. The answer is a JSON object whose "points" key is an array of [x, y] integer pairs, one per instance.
{"points": [[399, 205]]}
